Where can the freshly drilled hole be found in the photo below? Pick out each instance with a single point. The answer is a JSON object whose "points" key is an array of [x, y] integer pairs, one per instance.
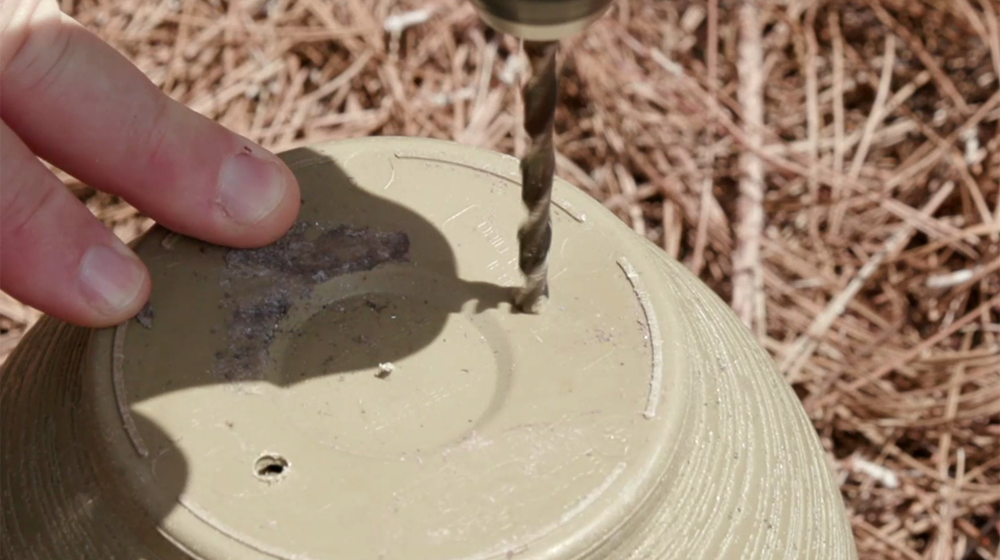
{"points": [[270, 467]]}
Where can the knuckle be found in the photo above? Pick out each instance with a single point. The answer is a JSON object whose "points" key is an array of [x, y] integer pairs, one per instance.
{"points": [[151, 146], [34, 42], [26, 199], [154, 142]]}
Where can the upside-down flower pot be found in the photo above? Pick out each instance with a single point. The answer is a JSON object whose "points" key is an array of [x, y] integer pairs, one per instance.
{"points": [[363, 390]]}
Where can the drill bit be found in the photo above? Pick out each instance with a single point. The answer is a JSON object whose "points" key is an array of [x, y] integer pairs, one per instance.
{"points": [[537, 171]]}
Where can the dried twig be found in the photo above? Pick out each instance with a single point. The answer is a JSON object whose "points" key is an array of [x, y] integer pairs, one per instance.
{"points": [[748, 278]]}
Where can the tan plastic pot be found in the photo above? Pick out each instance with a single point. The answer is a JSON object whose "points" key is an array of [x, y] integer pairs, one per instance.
{"points": [[362, 390]]}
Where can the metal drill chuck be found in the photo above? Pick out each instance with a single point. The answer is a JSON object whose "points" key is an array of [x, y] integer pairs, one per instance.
{"points": [[540, 20]]}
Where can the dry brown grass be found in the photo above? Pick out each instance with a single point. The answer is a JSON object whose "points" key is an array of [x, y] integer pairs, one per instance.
{"points": [[832, 168]]}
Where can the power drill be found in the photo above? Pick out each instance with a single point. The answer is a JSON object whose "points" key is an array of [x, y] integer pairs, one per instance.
{"points": [[540, 20], [541, 24]]}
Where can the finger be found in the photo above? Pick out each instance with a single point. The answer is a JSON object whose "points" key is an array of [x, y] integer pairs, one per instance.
{"points": [[84, 107], [57, 257]]}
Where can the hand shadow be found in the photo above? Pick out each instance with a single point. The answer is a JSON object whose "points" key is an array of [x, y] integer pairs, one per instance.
{"points": [[360, 280]]}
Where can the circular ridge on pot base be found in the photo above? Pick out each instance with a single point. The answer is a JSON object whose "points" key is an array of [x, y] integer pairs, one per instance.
{"points": [[364, 389]]}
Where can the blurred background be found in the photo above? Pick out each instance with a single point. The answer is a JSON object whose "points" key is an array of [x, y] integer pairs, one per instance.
{"points": [[830, 168]]}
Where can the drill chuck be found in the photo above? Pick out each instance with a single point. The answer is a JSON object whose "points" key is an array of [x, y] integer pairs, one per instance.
{"points": [[540, 20]]}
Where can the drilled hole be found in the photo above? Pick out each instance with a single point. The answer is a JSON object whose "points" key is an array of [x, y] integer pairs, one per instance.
{"points": [[270, 467]]}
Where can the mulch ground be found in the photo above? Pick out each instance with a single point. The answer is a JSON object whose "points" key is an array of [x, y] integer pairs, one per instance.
{"points": [[831, 168]]}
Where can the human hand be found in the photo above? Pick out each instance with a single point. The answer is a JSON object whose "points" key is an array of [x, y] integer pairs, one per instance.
{"points": [[72, 100]]}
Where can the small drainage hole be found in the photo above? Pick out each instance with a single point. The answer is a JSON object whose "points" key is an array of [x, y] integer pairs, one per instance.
{"points": [[270, 467]]}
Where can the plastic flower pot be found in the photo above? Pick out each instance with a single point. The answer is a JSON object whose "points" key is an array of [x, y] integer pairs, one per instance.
{"points": [[363, 389]]}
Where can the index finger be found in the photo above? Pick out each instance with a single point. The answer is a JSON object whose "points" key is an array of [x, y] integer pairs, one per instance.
{"points": [[84, 107]]}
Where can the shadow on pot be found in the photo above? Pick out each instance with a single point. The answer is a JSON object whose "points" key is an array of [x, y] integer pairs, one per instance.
{"points": [[358, 282]]}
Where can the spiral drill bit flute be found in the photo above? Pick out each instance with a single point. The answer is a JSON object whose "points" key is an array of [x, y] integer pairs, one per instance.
{"points": [[537, 172], [541, 24]]}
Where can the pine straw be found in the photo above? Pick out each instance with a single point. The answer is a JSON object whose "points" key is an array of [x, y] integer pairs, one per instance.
{"points": [[855, 183]]}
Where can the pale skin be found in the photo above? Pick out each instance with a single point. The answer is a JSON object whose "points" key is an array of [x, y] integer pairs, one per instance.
{"points": [[72, 100]]}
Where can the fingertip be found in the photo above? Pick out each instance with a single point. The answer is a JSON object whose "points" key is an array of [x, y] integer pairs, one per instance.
{"points": [[113, 285], [109, 286], [259, 196], [288, 211]]}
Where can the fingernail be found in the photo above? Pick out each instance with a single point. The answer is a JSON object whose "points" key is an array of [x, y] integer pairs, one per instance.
{"points": [[250, 188], [110, 279]]}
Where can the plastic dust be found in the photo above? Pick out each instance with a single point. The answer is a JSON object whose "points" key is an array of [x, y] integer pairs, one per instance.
{"points": [[260, 285]]}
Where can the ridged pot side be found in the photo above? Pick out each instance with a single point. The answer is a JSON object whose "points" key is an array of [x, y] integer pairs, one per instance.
{"points": [[749, 479], [59, 500]]}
